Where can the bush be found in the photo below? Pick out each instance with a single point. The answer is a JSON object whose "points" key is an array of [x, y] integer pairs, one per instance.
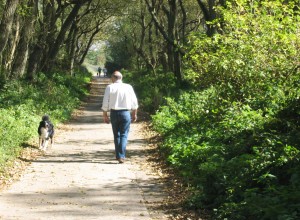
{"points": [[149, 87], [236, 140], [229, 154]]}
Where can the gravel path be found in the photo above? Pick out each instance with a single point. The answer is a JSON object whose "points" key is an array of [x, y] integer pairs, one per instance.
{"points": [[78, 178]]}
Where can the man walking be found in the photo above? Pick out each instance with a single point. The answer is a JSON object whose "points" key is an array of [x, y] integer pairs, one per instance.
{"points": [[120, 100], [99, 71], [105, 71]]}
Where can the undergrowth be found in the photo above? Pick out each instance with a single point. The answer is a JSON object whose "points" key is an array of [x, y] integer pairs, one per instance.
{"points": [[235, 138]]}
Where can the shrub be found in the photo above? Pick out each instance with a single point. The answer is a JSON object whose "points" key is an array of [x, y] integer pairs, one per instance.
{"points": [[236, 140], [150, 88]]}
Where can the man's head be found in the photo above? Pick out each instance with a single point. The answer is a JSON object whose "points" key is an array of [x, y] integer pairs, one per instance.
{"points": [[116, 76]]}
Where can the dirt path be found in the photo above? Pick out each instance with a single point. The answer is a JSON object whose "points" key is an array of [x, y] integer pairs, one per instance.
{"points": [[80, 179]]}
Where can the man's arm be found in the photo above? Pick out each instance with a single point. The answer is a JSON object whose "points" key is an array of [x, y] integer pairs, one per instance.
{"points": [[105, 105], [134, 105]]}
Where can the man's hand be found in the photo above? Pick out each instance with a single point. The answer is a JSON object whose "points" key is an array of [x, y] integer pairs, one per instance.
{"points": [[105, 118], [134, 116]]}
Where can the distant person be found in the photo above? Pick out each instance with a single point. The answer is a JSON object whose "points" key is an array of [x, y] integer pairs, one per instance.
{"points": [[99, 71], [105, 71], [120, 100]]}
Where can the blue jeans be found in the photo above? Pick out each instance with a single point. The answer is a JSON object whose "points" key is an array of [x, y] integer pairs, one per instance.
{"points": [[120, 121]]}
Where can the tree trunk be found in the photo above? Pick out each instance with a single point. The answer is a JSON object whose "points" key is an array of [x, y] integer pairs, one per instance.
{"points": [[6, 22], [70, 47], [34, 61], [88, 45], [177, 67], [171, 15], [61, 36], [173, 46], [164, 61], [21, 56], [161, 28], [151, 48], [184, 20], [46, 36], [11, 47], [209, 14]]}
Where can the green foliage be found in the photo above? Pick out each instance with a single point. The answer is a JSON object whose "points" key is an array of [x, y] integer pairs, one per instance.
{"points": [[259, 47], [16, 126], [226, 151], [236, 140], [22, 107], [119, 52], [150, 88], [92, 57]]}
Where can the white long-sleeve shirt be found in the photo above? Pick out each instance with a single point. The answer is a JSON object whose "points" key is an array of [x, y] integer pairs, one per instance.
{"points": [[118, 96]]}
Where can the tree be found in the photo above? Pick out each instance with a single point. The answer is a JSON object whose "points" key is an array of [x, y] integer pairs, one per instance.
{"points": [[54, 48], [155, 33], [48, 33], [21, 56], [171, 19], [6, 24]]}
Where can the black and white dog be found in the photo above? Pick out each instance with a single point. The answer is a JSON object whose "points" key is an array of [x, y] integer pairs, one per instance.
{"points": [[46, 133]]}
